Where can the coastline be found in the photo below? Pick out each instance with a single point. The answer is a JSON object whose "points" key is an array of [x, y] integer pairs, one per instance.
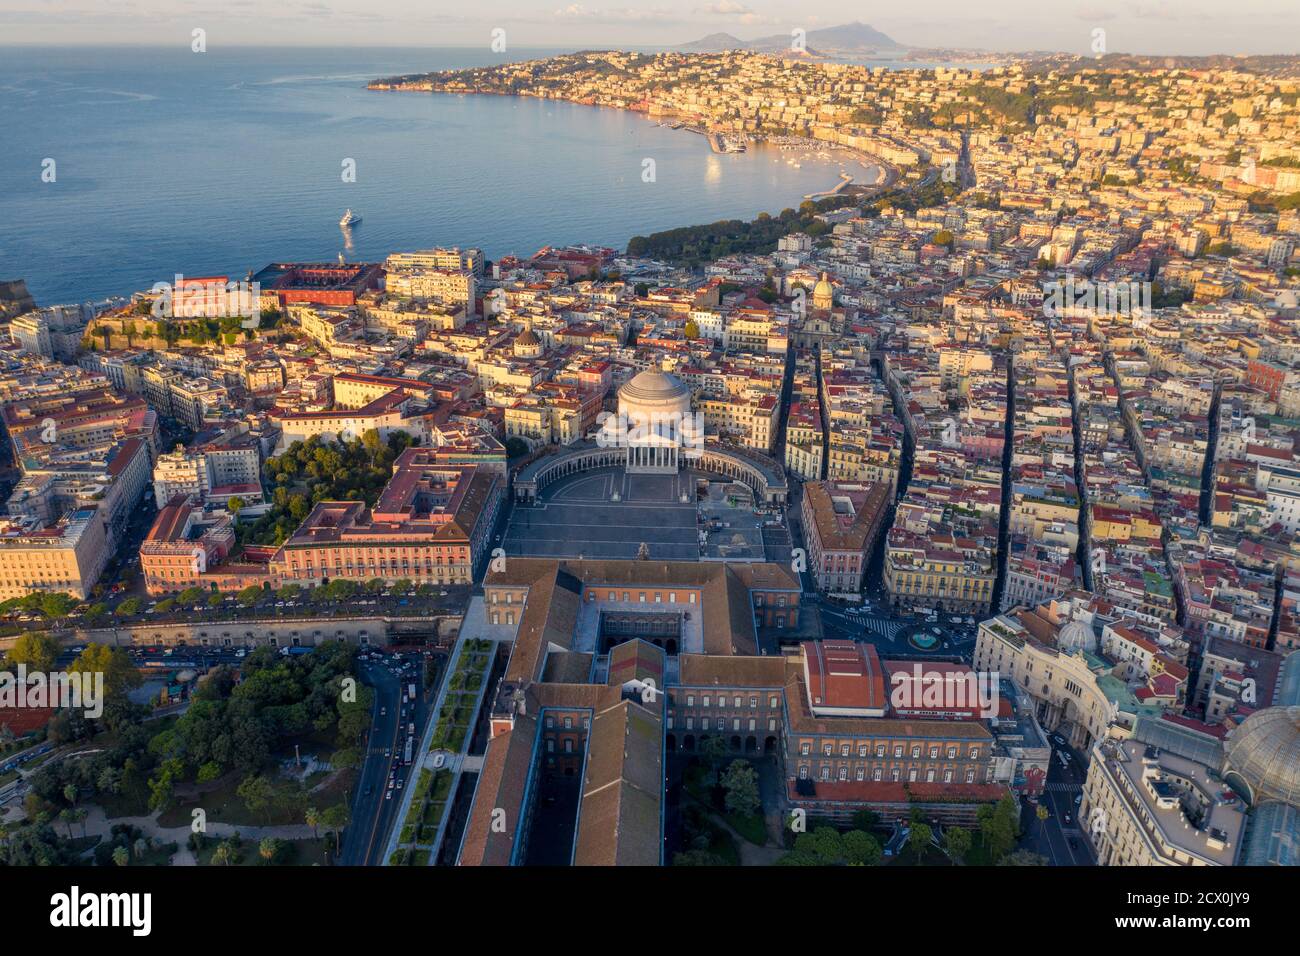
{"points": [[886, 174]]}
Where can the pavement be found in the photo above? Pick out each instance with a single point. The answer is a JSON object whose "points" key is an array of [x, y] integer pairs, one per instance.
{"points": [[606, 513]]}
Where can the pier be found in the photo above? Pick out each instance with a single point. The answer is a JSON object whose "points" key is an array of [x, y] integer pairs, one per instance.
{"points": [[845, 181]]}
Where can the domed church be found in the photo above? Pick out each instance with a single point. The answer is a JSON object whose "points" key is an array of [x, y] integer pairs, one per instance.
{"points": [[655, 421]]}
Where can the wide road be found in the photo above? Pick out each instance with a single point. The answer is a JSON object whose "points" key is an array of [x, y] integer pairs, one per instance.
{"points": [[376, 799], [1064, 844]]}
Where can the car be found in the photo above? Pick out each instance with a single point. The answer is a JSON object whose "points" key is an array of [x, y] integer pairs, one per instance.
{"points": [[370, 789], [1078, 799], [399, 784], [383, 711], [1074, 843], [388, 795], [439, 760], [1066, 818]]}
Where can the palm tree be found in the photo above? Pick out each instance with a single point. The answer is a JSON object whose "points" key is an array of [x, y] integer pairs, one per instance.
{"points": [[268, 848], [312, 817], [121, 857]]}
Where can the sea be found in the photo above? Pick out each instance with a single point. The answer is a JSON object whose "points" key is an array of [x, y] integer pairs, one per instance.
{"points": [[123, 166]]}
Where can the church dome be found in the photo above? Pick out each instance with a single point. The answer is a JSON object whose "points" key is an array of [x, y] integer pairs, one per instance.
{"points": [[1264, 752], [653, 390], [824, 287]]}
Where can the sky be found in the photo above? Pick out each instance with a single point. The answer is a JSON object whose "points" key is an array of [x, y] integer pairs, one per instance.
{"points": [[1188, 27]]}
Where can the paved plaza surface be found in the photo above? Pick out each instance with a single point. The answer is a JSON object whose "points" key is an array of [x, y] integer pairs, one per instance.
{"points": [[607, 513]]}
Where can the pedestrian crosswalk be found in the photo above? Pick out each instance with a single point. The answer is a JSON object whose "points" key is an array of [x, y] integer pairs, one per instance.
{"points": [[1062, 787], [881, 627]]}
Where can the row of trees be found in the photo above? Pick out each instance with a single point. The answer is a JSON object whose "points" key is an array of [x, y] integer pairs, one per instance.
{"points": [[692, 245]]}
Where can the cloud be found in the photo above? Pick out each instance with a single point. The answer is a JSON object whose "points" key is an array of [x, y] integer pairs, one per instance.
{"points": [[728, 8], [576, 11]]}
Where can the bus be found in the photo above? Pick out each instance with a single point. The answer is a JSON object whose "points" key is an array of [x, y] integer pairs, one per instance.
{"points": [[410, 744]]}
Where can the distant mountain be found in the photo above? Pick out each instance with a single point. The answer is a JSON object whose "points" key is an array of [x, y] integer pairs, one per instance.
{"points": [[846, 38], [713, 43]]}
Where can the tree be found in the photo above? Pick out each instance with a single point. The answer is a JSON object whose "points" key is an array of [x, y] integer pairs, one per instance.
{"points": [[55, 605], [372, 443], [249, 595], [129, 607], [121, 856], [270, 848], [312, 817], [713, 749], [999, 826], [258, 794], [95, 613], [190, 596], [691, 330], [234, 505], [957, 842], [741, 784], [861, 849], [824, 844], [1042, 813], [37, 651], [120, 673], [866, 820], [922, 834]]}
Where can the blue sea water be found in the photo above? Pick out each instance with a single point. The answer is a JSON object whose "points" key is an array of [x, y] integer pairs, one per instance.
{"points": [[170, 161]]}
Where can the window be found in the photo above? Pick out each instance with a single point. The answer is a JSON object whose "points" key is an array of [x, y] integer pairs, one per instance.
{"points": [[916, 751], [805, 748], [707, 698], [690, 700], [803, 771]]}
